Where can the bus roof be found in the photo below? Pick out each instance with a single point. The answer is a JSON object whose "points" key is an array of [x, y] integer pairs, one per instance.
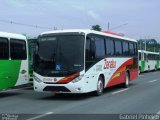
{"points": [[87, 31], [149, 52], [12, 35]]}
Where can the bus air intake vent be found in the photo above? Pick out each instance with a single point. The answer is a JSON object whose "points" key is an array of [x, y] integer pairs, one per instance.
{"points": [[56, 88]]}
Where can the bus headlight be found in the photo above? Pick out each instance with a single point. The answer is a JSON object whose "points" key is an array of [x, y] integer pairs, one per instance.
{"points": [[77, 79], [37, 79]]}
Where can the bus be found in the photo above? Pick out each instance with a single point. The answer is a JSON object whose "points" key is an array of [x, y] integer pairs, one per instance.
{"points": [[148, 60], [13, 60], [83, 61]]}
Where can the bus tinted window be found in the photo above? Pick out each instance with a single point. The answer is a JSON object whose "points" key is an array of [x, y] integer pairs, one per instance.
{"points": [[100, 48], [18, 49], [139, 54], [4, 48], [157, 57], [125, 48], [145, 56], [151, 57], [131, 49], [90, 48], [88, 44], [118, 48], [109, 47], [135, 48]]}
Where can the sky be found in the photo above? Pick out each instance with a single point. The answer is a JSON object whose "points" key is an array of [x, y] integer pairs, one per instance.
{"points": [[134, 18]]}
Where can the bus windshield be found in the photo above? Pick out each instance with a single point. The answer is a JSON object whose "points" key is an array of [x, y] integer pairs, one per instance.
{"points": [[59, 55]]}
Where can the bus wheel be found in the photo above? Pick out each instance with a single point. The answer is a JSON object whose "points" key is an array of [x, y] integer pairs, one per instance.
{"points": [[139, 71], [100, 87], [127, 81], [148, 68], [155, 69]]}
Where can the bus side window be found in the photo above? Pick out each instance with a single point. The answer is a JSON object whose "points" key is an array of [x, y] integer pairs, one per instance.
{"points": [[147, 57], [144, 56], [135, 49], [93, 49], [109, 47], [139, 54], [118, 48], [90, 48], [4, 49], [125, 48], [18, 49], [100, 47], [157, 57], [131, 49], [154, 57]]}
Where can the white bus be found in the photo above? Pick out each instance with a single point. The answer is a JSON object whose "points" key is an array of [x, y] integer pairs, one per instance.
{"points": [[148, 60], [82, 61], [13, 60]]}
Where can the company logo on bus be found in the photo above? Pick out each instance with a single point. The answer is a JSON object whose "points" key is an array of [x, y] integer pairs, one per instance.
{"points": [[47, 79], [109, 64], [50, 79]]}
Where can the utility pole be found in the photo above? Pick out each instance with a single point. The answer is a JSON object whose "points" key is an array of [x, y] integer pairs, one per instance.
{"points": [[108, 26], [140, 45], [145, 44]]}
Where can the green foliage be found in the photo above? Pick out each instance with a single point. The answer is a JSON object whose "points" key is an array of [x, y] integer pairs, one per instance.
{"points": [[96, 27], [150, 47]]}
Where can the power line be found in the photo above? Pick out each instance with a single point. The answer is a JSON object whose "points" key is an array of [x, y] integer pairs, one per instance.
{"points": [[27, 25]]}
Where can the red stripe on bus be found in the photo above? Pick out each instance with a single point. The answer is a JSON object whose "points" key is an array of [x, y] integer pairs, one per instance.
{"points": [[121, 78], [68, 79]]}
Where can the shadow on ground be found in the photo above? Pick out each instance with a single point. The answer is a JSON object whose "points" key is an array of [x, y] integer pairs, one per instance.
{"points": [[73, 97], [8, 94]]}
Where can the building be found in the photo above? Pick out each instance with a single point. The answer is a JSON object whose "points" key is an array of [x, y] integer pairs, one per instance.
{"points": [[148, 41]]}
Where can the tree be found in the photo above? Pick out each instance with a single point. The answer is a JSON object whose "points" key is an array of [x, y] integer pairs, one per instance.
{"points": [[150, 47], [96, 27]]}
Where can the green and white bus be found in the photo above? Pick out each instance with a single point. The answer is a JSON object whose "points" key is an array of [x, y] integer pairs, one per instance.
{"points": [[148, 60], [13, 60]]}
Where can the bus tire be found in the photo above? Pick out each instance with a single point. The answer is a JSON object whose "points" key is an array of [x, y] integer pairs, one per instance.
{"points": [[155, 69], [100, 86], [139, 71], [148, 69], [127, 81]]}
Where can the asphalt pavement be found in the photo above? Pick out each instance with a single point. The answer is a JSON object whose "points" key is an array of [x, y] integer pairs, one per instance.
{"points": [[142, 97]]}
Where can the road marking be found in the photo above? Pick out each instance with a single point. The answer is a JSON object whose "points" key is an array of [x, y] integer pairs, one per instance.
{"points": [[152, 81], [40, 116], [120, 91]]}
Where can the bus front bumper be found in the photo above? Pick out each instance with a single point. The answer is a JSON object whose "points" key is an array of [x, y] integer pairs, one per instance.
{"points": [[58, 88]]}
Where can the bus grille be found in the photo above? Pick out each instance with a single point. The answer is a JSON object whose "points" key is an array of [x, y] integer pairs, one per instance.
{"points": [[56, 88]]}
